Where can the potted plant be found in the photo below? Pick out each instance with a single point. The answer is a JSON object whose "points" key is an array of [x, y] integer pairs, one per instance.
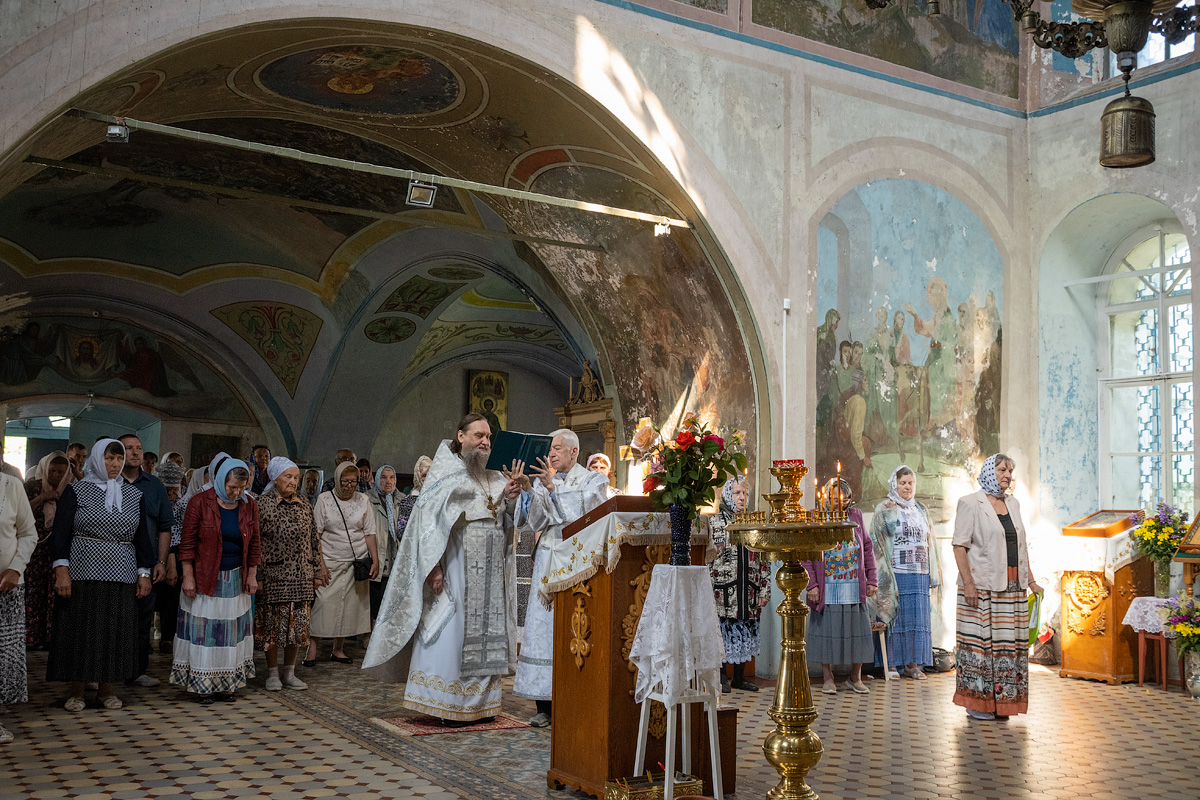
{"points": [[1182, 615], [686, 471], [1157, 537]]}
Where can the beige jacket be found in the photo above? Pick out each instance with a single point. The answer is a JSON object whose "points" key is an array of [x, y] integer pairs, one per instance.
{"points": [[18, 533], [977, 528]]}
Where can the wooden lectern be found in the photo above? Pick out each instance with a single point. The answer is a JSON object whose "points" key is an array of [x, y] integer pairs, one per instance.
{"points": [[1188, 554], [1094, 642], [594, 734]]}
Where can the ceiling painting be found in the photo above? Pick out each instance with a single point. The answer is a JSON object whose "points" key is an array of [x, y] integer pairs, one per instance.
{"points": [[390, 330], [497, 293], [444, 337], [365, 78], [51, 355], [456, 273], [283, 335], [419, 296]]}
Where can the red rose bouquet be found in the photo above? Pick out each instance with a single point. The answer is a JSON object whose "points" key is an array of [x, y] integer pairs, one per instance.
{"points": [[687, 468]]}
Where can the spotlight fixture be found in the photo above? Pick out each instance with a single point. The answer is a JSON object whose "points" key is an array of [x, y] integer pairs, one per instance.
{"points": [[662, 229], [117, 131], [421, 194]]}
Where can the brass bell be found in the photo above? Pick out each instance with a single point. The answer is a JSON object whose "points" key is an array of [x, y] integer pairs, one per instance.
{"points": [[1127, 133]]}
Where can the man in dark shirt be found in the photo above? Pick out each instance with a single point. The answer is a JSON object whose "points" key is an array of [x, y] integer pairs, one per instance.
{"points": [[157, 509], [344, 455]]}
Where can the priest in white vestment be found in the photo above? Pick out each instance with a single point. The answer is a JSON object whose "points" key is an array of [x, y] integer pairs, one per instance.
{"points": [[563, 490], [448, 605]]}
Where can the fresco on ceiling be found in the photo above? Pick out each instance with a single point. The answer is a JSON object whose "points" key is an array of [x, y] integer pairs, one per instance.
{"points": [[419, 296], [443, 337], [909, 289], [116, 360], [665, 327], [501, 133], [390, 330], [456, 273], [62, 214], [973, 42], [283, 335], [364, 78]]}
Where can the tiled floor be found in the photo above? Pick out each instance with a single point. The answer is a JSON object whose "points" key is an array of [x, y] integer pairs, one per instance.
{"points": [[905, 740]]}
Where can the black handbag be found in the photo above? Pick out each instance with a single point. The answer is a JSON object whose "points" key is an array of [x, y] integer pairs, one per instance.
{"points": [[362, 566]]}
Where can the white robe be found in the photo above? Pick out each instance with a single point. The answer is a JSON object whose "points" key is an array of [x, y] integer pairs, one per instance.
{"points": [[575, 493], [451, 509]]}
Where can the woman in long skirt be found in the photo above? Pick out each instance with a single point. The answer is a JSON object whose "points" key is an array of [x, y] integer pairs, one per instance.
{"points": [[103, 552], [54, 475], [992, 647], [219, 554], [18, 537], [839, 628], [906, 559]]}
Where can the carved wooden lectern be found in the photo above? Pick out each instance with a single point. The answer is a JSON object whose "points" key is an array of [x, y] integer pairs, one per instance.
{"points": [[594, 733]]}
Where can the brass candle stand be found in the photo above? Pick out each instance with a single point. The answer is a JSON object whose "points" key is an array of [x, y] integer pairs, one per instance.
{"points": [[792, 534]]}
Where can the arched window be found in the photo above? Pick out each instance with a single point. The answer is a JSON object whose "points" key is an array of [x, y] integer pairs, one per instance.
{"points": [[1147, 422]]}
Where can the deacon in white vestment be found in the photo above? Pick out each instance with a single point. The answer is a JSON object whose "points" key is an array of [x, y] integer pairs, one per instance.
{"points": [[562, 492], [448, 603]]}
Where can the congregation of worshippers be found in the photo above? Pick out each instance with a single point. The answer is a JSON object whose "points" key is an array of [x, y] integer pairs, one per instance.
{"points": [[238, 555]]}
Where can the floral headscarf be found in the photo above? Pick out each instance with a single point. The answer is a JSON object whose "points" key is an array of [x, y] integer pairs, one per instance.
{"points": [[727, 494], [987, 477], [894, 494], [49, 507]]}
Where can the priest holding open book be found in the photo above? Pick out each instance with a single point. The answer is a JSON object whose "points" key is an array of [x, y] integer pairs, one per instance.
{"points": [[562, 491]]}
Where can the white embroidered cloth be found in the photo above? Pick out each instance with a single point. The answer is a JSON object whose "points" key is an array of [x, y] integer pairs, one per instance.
{"points": [[598, 546], [1144, 615], [678, 637], [1102, 555]]}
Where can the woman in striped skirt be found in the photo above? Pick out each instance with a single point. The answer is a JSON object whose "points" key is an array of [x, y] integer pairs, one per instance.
{"points": [[992, 647]]}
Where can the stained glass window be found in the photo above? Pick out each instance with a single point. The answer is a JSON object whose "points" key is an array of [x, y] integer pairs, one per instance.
{"points": [[1150, 437]]}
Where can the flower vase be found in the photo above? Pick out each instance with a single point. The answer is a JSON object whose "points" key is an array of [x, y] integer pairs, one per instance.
{"points": [[681, 536], [1162, 578], [1191, 677]]}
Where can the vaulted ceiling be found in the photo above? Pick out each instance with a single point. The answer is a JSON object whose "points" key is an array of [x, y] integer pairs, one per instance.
{"points": [[293, 285]]}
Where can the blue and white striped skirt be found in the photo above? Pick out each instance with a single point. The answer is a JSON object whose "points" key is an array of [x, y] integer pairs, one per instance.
{"points": [[909, 637], [214, 639]]}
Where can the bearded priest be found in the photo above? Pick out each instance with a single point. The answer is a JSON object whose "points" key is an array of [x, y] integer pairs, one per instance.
{"points": [[563, 490], [447, 611]]}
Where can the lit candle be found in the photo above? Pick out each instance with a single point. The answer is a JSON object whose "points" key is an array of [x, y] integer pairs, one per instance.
{"points": [[839, 487]]}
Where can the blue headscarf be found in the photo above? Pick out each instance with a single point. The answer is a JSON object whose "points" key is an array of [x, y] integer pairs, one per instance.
{"points": [[227, 466], [388, 502], [987, 477]]}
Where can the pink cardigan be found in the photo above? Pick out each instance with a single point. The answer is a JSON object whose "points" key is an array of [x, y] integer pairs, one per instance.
{"points": [[867, 575]]}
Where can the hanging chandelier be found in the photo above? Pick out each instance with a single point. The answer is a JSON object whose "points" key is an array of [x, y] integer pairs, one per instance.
{"points": [[1127, 123]]}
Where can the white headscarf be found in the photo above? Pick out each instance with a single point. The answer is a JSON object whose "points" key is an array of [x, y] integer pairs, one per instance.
{"points": [[95, 472], [279, 465], [894, 495]]}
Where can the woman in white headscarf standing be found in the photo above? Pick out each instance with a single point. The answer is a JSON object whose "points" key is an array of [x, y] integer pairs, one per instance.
{"points": [[43, 493], [291, 572], [385, 497], [346, 526], [907, 566], [103, 552], [994, 579]]}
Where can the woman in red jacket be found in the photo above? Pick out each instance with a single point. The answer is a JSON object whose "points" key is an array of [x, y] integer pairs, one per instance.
{"points": [[219, 555]]}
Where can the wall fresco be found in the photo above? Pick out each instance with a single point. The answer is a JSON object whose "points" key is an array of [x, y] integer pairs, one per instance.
{"points": [[283, 335]]}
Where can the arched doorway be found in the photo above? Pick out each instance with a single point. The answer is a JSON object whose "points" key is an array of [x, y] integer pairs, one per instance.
{"points": [[333, 315]]}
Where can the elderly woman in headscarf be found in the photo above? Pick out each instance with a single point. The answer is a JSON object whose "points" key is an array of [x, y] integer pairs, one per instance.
{"points": [[103, 552], [43, 493], [994, 577], [839, 628], [346, 525], [742, 587], [598, 462], [385, 500], [291, 571], [219, 553], [405, 506], [18, 537], [907, 564]]}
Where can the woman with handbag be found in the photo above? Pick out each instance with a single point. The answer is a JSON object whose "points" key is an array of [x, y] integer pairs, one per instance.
{"points": [[219, 554], [346, 525], [994, 579]]}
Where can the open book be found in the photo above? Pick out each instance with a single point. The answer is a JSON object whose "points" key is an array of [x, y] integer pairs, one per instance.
{"points": [[509, 446]]}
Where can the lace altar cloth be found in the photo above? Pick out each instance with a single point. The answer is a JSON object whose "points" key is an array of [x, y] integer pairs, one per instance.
{"points": [[598, 546], [678, 637], [1144, 615]]}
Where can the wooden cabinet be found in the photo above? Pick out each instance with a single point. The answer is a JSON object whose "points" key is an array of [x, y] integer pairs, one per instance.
{"points": [[1095, 644], [594, 735]]}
